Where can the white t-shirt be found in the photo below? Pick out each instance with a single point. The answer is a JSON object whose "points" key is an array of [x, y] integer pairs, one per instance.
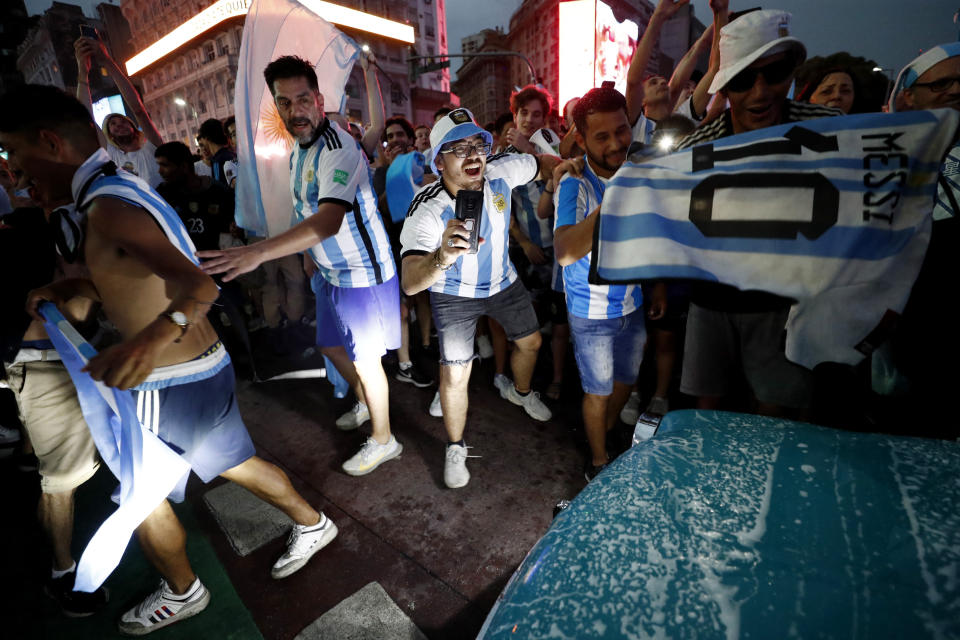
{"points": [[141, 163]]}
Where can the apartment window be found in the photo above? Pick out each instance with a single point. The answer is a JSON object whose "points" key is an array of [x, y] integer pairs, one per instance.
{"points": [[222, 47], [208, 52]]}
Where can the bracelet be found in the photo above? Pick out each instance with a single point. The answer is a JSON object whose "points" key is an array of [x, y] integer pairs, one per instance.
{"points": [[438, 264], [549, 190]]}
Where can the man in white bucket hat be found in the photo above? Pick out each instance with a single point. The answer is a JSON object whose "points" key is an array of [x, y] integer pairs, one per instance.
{"points": [[464, 286], [733, 334]]}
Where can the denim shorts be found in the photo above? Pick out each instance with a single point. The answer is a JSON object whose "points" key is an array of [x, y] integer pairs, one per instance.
{"points": [[364, 320], [608, 350], [456, 320]]}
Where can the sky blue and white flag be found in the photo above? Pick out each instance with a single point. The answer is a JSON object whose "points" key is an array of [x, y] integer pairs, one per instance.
{"points": [[404, 178], [834, 213], [148, 470], [275, 28]]}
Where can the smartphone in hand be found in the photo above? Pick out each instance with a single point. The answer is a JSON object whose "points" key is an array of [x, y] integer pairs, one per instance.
{"points": [[469, 210]]}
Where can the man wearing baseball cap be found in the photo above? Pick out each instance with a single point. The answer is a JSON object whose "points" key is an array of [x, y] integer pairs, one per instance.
{"points": [[464, 286], [732, 333]]}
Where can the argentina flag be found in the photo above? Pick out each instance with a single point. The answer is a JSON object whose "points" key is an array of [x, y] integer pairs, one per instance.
{"points": [[147, 469], [275, 28], [834, 213]]}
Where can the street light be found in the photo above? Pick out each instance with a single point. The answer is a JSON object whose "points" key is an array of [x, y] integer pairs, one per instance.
{"points": [[180, 102]]}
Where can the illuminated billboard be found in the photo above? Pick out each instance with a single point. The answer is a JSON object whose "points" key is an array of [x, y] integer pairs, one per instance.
{"points": [[588, 57], [226, 9]]}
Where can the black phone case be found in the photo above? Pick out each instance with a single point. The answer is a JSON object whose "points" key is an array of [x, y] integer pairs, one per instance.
{"points": [[470, 207]]}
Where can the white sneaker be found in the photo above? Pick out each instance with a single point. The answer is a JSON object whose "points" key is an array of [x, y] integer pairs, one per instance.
{"points": [[435, 409], [455, 474], [531, 403], [631, 410], [353, 418], [371, 455], [484, 347], [658, 406], [303, 542], [163, 607], [502, 383]]}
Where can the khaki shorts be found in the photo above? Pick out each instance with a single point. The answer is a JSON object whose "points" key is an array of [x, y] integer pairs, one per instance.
{"points": [[50, 412], [722, 345]]}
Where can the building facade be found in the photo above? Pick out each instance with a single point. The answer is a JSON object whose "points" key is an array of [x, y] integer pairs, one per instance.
{"points": [[196, 81], [14, 24], [45, 56], [483, 83]]}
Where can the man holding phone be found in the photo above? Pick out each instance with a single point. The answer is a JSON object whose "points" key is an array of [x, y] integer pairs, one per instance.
{"points": [[464, 286]]}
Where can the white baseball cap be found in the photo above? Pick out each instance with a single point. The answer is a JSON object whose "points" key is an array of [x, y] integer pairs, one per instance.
{"points": [[751, 37], [456, 125]]}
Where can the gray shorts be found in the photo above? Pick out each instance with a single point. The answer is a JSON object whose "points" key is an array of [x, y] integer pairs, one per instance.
{"points": [[456, 320], [720, 345]]}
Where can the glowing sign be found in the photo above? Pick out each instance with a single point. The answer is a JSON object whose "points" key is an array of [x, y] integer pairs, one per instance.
{"points": [[590, 56], [226, 9]]}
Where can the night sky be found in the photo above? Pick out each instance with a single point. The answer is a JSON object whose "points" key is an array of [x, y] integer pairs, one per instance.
{"points": [[889, 31]]}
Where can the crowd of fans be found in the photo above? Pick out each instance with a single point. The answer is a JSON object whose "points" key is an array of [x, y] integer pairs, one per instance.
{"points": [[412, 283]]}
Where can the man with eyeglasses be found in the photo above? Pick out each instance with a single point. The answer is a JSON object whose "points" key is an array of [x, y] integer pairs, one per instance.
{"points": [[463, 286], [925, 333], [731, 333]]}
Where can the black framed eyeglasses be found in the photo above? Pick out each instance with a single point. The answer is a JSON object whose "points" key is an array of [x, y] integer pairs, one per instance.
{"points": [[773, 73], [938, 86], [466, 149]]}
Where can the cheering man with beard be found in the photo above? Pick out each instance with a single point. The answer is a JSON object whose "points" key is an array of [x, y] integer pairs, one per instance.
{"points": [[358, 298], [606, 321], [130, 148]]}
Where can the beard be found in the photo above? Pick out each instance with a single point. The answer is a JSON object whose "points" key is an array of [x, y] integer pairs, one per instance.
{"points": [[302, 135], [602, 162], [126, 139]]}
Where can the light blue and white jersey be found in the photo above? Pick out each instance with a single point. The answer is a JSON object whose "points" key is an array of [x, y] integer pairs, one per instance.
{"points": [[333, 169], [489, 271], [643, 129], [947, 204], [99, 178], [525, 200], [575, 199], [93, 180]]}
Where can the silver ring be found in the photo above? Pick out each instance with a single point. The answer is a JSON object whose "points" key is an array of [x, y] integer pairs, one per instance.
{"points": [[450, 242]]}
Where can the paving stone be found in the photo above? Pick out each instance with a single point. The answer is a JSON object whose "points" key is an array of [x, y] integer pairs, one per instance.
{"points": [[248, 522], [369, 614]]}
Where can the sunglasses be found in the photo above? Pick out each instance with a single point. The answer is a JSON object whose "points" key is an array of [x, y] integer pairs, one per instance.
{"points": [[938, 86], [466, 149], [773, 73]]}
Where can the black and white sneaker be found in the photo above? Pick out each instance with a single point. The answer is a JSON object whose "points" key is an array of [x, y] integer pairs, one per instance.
{"points": [[75, 604], [163, 607], [414, 376]]}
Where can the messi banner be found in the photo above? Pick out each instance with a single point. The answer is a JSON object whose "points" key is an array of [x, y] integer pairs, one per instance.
{"points": [[833, 213]]}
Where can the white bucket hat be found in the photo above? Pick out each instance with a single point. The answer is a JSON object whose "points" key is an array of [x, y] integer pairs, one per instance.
{"points": [[920, 65], [751, 37], [456, 125]]}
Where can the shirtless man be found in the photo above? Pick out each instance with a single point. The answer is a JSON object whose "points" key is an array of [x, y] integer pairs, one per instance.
{"points": [[143, 272]]}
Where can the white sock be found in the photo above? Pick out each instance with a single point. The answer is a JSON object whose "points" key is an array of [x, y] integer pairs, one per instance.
{"points": [[405, 365], [56, 573]]}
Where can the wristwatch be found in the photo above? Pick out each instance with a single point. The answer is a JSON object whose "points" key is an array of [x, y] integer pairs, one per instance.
{"points": [[178, 318]]}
